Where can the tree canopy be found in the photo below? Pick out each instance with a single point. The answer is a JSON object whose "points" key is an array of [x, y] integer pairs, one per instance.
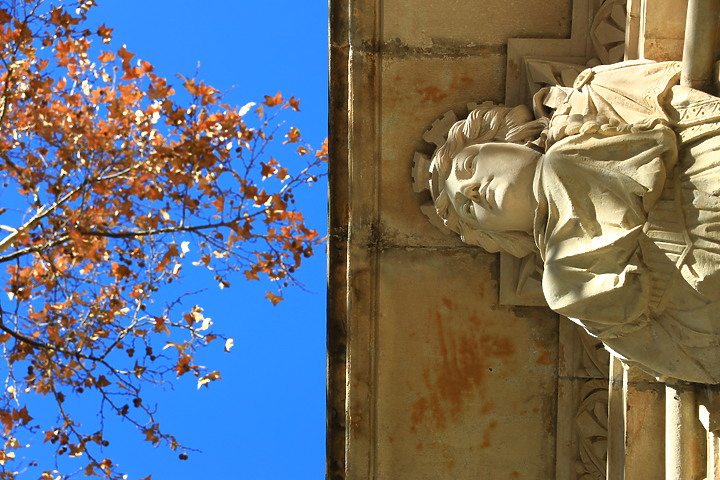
{"points": [[111, 188]]}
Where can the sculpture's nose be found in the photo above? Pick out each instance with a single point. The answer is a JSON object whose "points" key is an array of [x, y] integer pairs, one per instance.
{"points": [[474, 193]]}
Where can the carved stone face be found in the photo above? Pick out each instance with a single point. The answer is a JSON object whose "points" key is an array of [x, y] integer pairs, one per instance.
{"points": [[491, 186]]}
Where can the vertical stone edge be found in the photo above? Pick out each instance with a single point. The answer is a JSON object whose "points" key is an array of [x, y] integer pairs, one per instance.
{"points": [[353, 237], [337, 239]]}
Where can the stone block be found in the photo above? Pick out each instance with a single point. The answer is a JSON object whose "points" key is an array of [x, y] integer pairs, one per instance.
{"points": [[415, 92], [465, 389], [457, 24], [663, 29]]}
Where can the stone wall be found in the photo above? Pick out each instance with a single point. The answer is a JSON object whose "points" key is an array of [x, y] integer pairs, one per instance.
{"points": [[429, 378]]}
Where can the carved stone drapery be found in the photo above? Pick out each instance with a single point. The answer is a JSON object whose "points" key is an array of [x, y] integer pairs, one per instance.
{"points": [[590, 437]]}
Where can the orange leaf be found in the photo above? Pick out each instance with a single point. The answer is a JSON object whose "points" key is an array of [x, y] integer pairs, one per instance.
{"points": [[190, 86], [275, 299], [294, 104], [125, 55], [322, 154], [105, 33], [273, 101], [146, 67], [267, 170], [206, 379], [105, 57], [293, 136]]}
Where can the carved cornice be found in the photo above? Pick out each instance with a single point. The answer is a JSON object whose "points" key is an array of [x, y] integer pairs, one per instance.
{"points": [[597, 37]]}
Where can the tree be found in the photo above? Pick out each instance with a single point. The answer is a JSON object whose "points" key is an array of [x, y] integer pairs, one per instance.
{"points": [[111, 188]]}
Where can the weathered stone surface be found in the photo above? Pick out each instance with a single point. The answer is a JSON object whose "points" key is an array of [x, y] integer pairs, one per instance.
{"points": [[622, 262], [462, 385], [663, 30], [429, 377], [415, 91], [430, 24]]}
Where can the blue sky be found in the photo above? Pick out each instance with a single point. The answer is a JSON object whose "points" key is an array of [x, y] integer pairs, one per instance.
{"points": [[265, 420]]}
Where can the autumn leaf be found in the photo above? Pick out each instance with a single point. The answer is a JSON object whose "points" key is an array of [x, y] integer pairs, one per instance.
{"points": [[322, 153], [105, 33], [5, 456], [275, 299], [207, 378], [106, 57], [190, 86], [125, 55], [294, 104], [146, 67], [293, 135], [118, 182], [102, 382], [151, 434], [273, 101], [160, 325], [267, 170]]}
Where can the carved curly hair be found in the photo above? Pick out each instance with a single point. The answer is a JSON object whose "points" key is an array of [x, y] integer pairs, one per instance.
{"points": [[487, 123]]}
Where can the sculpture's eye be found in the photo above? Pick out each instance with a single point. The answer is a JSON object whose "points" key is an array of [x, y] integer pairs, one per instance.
{"points": [[469, 165], [469, 209], [464, 166]]}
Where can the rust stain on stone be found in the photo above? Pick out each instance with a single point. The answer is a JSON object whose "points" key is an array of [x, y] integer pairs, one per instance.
{"points": [[486, 435], [431, 94], [544, 358], [515, 475], [464, 357], [462, 82], [497, 345]]}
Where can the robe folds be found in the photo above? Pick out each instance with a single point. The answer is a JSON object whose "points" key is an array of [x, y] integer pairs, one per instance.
{"points": [[628, 217]]}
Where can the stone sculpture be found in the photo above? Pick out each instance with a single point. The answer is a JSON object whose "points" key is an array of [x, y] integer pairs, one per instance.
{"points": [[615, 185]]}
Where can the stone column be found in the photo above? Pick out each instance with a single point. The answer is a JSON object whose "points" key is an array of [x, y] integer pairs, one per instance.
{"points": [[700, 38], [636, 411], [684, 435]]}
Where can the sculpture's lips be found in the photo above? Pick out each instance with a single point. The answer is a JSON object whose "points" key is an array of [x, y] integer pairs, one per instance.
{"points": [[490, 197], [486, 196]]}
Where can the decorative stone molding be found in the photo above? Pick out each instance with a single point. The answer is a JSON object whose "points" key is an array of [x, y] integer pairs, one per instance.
{"points": [[591, 423], [582, 426], [597, 37], [608, 32]]}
